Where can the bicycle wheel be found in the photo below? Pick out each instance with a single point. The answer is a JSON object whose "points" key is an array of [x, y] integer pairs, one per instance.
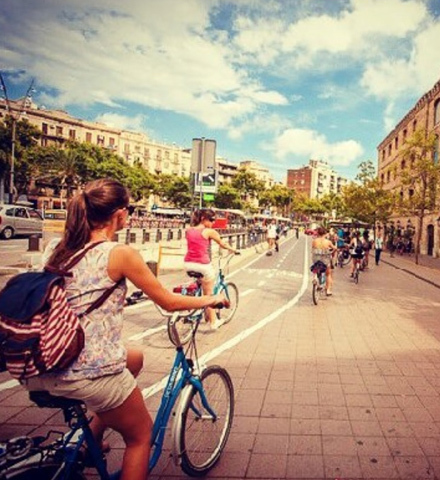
{"points": [[315, 292], [184, 325], [356, 276], [42, 471], [231, 293], [199, 438]]}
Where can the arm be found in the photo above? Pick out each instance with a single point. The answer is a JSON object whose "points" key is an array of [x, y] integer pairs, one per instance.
{"points": [[125, 262], [214, 235]]}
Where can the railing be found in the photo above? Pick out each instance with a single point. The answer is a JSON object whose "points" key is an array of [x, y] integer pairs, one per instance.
{"points": [[239, 238]]}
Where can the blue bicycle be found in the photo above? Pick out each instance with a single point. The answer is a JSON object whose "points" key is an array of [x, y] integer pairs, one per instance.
{"points": [[194, 288], [319, 279], [201, 402]]}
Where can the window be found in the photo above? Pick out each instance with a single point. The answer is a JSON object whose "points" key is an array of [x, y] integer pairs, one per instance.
{"points": [[437, 112], [382, 178], [389, 149], [436, 149], [44, 128], [88, 137], [72, 134], [405, 133], [414, 125], [402, 165], [396, 143], [111, 141], [388, 176], [59, 131]]}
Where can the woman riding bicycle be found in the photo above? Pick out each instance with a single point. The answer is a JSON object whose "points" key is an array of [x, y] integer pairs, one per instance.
{"points": [[357, 252], [103, 376], [323, 249], [197, 258]]}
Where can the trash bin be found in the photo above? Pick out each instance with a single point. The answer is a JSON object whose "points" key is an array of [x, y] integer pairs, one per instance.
{"points": [[34, 243], [152, 265]]}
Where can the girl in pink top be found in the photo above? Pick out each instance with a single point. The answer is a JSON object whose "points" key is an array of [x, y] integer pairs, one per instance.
{"points": [[197, 259]]}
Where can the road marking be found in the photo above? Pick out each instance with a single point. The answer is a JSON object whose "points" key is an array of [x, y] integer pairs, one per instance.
{"points": [[8, 384], [148, 392], [147, 333], [260, 284], [247, 292]]}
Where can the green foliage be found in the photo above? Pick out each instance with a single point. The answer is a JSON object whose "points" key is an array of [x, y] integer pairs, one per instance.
{"points": [[228, 196], [247, 183], [365, 199], [420, 180]]}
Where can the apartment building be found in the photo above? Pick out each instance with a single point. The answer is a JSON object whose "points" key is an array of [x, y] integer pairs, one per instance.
{"points": [[262, 173], [225, 170], [58, 127], [315, 179], [424, 115]]}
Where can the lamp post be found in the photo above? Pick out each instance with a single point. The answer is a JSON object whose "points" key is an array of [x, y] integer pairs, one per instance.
{"points": [[15, 117]]}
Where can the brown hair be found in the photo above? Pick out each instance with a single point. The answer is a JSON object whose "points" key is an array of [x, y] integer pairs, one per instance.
{"points": [[321, 231], [87, 210], [202, 214]]}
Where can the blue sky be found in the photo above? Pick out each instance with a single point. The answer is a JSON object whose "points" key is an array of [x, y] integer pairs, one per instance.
{"points": [[275, 81]]}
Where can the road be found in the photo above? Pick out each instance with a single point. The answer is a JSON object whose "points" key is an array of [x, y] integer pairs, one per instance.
{"points": [[346, 389], [12, 251]]}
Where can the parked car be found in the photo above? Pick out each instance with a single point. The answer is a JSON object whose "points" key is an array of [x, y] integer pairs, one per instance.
{"points": [[19, 220]]}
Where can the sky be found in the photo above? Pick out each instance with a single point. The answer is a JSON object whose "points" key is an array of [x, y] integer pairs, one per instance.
{"points": [[275, 81]]}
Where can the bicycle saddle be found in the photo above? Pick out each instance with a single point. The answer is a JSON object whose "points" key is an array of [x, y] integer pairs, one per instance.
{"points": [[193, 274], [44, 399]]}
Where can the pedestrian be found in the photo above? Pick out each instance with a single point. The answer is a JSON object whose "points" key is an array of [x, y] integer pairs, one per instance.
{"points": [[271, 235], [378, 246]]}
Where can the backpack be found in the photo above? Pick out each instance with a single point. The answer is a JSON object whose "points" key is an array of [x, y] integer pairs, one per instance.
{"points": [[318, 267], [39, 331]]}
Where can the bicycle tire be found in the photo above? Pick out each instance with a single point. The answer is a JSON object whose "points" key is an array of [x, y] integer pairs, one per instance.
{"points": [[346, 260], [315, 293], [185, 325], [199, 440], [225, 315], [42, 471]]}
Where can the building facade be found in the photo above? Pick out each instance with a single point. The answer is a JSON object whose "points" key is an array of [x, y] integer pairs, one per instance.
{"points": [[315, 180], [424, 115]]}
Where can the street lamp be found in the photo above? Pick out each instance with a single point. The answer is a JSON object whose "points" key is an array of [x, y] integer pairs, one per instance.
{"points": [[15, 117]]}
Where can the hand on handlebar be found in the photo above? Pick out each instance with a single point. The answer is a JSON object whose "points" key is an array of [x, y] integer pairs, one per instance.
{"points": [[220, 301]]}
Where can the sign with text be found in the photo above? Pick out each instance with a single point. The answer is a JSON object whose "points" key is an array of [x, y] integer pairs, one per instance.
{"points": [[207, 182]]}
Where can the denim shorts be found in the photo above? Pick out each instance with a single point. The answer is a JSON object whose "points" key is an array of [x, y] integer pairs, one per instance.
{"points": [[99, 394]]}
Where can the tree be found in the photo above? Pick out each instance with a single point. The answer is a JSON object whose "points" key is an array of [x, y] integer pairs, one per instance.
{"points": [[365, 199], [228, 197], [26, 138], [420, 179], [247, 184]]}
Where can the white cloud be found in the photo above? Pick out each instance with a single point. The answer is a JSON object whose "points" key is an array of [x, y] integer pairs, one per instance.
{"points": [[311, 144], [123, 122]]}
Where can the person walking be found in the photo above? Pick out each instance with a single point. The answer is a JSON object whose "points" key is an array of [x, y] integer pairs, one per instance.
{"points": [[378, 246]]}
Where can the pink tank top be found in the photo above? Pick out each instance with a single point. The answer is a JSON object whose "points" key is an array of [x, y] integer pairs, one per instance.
{"points": [[198, 247]]}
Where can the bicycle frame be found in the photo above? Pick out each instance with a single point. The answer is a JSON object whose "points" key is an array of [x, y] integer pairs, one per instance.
{"points": [[180, 376]]}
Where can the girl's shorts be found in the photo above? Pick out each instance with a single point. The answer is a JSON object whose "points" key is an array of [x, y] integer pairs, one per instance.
{"points": [[206, 269], [99, 394]]}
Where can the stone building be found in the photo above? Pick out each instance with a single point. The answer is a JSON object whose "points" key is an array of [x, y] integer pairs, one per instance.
{"points": [[315, 179], [424, 115]]}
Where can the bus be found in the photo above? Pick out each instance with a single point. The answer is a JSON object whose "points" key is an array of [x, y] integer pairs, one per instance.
{"points": [[226, 218]]}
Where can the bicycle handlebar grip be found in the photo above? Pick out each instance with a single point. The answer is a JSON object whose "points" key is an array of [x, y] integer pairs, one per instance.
{"points": [[224, 304]]}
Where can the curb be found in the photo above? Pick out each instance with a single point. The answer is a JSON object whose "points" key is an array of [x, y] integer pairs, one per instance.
{"points": [[431, 282]]}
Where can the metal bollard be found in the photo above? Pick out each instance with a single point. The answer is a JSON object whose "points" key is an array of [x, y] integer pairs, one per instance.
{"points": [[179, 234], [158, 235], [127, 236], [145, 236], [169, 235], [34, 243]]}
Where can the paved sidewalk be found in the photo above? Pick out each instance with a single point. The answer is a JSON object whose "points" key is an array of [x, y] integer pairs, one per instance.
{"points": [[428, 268]]}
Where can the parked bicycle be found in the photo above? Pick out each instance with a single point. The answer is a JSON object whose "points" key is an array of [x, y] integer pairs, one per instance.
{"points": [[318, 281], [201, 401]]}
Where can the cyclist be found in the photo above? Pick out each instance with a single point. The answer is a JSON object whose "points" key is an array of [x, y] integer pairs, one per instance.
{"points": [[357, 251], [103, 376], [322, 249], [197, 258]]}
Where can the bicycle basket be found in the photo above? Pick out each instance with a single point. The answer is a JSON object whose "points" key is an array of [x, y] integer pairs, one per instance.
{"points": [[318, 267]]}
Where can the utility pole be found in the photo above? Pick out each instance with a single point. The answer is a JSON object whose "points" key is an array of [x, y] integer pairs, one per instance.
{"points": [[15, 118]]}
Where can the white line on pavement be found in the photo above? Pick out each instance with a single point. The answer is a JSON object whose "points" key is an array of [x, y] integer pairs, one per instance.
{"points": [[147, 392], [147, 333], [247, 292], [8, 384]]}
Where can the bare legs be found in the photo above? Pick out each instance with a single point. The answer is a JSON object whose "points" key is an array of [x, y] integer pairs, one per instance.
{"points": [[208, 289]]}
